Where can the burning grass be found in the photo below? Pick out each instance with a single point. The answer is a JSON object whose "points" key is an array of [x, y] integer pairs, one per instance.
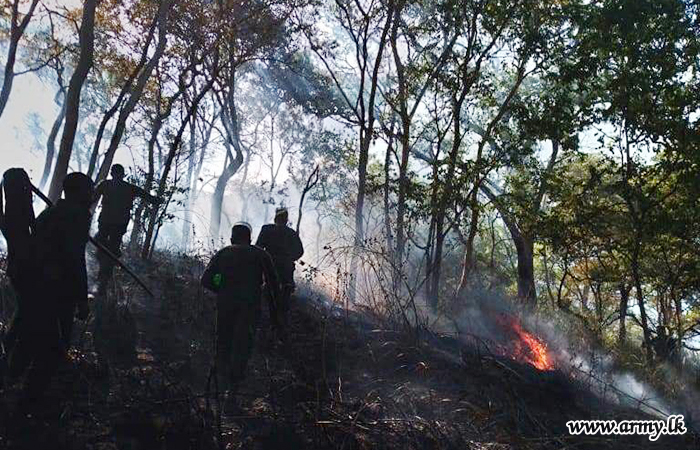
{"points": [[522, 345]]}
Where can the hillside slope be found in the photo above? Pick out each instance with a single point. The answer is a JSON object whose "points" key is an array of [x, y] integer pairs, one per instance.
{"points": [[343, 380]]}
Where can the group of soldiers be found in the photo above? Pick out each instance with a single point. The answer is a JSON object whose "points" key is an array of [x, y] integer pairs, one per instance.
{"points": [[46, 266]]}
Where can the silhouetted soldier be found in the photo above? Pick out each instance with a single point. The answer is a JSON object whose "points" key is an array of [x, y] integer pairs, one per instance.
{"points": [[117, 200], [61, 233], [285, 248], [17, 224], [236, 273]]}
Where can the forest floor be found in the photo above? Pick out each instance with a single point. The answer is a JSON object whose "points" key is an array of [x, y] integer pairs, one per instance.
{"points": [[344, 380]]}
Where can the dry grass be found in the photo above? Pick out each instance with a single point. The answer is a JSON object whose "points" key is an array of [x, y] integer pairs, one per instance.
{"points": [[344, 380]]}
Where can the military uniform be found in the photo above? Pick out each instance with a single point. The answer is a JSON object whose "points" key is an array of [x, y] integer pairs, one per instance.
{"points": [[236, 273], [117, 200], [285, 247], [60, 237]]}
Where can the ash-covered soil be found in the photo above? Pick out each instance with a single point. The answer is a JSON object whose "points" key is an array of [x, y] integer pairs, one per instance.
{"points": [[140, 379]]}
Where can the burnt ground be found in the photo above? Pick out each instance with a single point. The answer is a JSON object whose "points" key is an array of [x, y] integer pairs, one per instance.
{"points": [[139, 379]]}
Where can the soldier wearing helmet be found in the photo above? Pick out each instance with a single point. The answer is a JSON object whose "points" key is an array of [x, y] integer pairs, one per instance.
{"points": [[285, 248]]}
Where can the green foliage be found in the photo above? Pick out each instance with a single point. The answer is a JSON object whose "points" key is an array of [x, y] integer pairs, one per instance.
{"points": [[568, 126]]}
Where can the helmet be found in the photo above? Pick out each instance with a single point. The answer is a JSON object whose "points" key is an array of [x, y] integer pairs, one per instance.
{"points": [[244, 225], [241, 233]]}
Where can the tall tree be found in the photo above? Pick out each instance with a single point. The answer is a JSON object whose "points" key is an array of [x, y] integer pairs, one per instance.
{"points": [[637, 83], [251, 33], [534, 36], [18, 25], [60, 101], [367, 25], [134, 93], [233, 162], [416, 66], [85, 61], [127, 85]]}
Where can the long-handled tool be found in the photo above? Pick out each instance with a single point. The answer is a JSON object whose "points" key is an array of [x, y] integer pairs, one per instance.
{"points": [[101, 247]]}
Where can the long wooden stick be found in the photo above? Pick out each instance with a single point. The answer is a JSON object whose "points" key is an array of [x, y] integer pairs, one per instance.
{"points": [[101, 247]]}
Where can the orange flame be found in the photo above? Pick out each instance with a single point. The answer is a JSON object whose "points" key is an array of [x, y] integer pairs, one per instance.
{"points": [[525, 346]]}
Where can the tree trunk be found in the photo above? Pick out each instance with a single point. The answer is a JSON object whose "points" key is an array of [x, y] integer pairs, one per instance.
{"points": [[51, 143], [120, 98], [678, 303], [440, 212], [233, 163], [186, 223], [217, 199], [135, 94], [16, 32], [401, 201], [244, 178], [217, 202], [358, 242], [150, 175], [319, 226], [167, 166], [469, 262], [366, 137], [229, 116], [431, 240], [85, 60], [158, 121], [193, 194], [624, 304], [311, 182], [406, 115], [387, 193], [436, 269], [435, 241], [524, 246], [100, 132], [526, 269], [404, 140], [206, 138], [641, 304], [272, 169]]}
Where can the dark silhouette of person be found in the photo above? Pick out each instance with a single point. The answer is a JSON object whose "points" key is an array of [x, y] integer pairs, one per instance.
{"points": [[61, 234], [236, 273], [17, 224], [285, 248], [117, 200]]}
